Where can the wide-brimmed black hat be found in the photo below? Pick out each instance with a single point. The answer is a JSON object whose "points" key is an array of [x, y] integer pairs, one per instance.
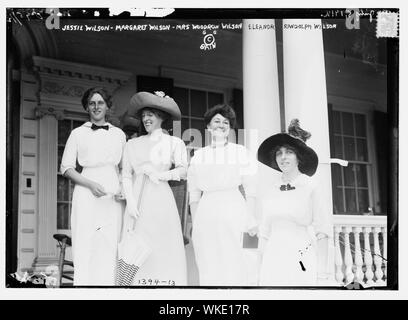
{"points": [[295, 138], [158, 100]]}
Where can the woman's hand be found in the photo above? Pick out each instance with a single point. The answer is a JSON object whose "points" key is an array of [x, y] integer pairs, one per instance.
{"points": [[96, 189], [157, 176], [251, 225], [164, 176], [132, 209], [151, 172], [252, 231], [146, 168], [154, 177], [119, 196]]}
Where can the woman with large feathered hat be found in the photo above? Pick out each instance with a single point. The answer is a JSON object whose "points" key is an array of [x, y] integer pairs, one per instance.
{"points": [[295, 224]]}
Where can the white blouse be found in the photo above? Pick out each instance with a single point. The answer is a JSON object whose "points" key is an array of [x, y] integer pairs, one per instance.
{"points": [[93, 148], [303, 205], [220, 168], [159, 152]]}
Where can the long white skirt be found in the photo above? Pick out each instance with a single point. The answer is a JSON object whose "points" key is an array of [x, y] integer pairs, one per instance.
{"points": [[217, 238], [96, 226], [288, 244], [160, 227]]}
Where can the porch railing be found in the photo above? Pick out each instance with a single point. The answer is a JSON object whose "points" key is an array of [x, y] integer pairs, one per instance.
{"points": [[360, 250]]}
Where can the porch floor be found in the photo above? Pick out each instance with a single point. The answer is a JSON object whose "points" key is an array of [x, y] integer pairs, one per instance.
{"points": [[192, 271]]}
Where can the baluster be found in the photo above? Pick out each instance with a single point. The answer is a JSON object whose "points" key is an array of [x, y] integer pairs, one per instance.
{"points": [[348, 258], [377, 258], [368, 260], [384, 234], [338, 259], [358, 259]]}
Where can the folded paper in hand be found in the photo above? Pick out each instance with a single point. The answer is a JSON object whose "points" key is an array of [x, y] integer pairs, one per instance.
{"points": [[248, 241]]}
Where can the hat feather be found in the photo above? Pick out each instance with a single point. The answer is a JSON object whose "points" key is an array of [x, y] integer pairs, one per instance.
{"points": [[295, 130]]}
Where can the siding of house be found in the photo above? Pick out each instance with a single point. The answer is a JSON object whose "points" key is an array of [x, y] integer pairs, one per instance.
{"points": [[28, 186]]}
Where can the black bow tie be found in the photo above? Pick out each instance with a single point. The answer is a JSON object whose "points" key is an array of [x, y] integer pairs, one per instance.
{"points": [[96, 127], [286, 187]]}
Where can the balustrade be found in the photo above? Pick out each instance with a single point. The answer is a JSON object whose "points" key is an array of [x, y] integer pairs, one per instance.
{"points": [[360, 244]]}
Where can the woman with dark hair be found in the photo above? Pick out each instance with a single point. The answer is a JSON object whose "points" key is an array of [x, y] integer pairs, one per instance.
{"points": [[95, 215], [295, 223], [147, 163], [220, 213], [164, 116]]}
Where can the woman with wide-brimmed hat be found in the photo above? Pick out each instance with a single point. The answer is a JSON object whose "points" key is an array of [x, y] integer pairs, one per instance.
{"points": [[147, 162], [96, 217], [295, 223], [221, 214]]}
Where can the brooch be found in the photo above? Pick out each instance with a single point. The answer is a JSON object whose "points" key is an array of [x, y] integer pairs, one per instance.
{"points": [[286, 187]]}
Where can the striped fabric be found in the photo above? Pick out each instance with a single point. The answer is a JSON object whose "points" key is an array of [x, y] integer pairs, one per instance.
{"points": [[125, 273], [132, 251]]}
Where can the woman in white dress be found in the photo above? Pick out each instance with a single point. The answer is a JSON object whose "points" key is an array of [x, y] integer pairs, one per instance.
{"points": [[147, 163], [220, 213], [295, 224], [95, 216]]}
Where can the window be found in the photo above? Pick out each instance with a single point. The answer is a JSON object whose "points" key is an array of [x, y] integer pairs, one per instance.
{"points": [[65, 186], [351, 184], [193, 104]]}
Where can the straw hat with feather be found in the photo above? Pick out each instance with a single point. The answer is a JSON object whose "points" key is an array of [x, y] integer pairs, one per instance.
{"points": [[158, 100]]}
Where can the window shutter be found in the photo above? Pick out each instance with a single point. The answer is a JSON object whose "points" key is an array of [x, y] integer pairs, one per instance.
{"points": [[331, 130], [382, 154]]}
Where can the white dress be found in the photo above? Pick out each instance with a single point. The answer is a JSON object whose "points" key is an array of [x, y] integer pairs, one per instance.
{"points": [[290, 220], [95, 222], [159, 223], [214, 177]]}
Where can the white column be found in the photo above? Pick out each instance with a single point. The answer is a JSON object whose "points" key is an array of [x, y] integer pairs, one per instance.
{"points": [[261, 98], [47, 191], [306, 96], [261, 89], [260, 73]]}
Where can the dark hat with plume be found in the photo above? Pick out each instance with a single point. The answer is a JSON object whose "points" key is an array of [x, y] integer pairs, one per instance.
{"points": [[295, 138]]}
